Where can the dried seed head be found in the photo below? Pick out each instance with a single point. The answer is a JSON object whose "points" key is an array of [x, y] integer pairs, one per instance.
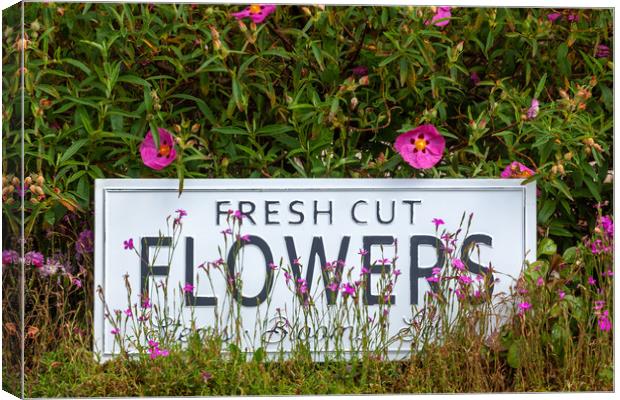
{"points": [[177, 128], [568, 156], [40, 180], [15, 181], [195, 127], [554, 169], [364, 80], [28, 181], [561, 169], [589, 141]]}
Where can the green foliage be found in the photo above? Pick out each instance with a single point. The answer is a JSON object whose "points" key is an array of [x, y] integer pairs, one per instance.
{"points": [[280, 99]]}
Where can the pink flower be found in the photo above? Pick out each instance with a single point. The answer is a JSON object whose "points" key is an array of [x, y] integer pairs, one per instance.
{"points": [[591, 280], [523, 307], [77, 282], [256, 12], [287, 277], [362, 252], [602, 51], [475, 79], [34, 258], [442, 15], [599, 304], [421, 147], [238, 214], [348, 289], [146, 303], [554, 16], [115, 331], [188, 288], [158, 158], [333, 286], [573, 17], [128, 312], [433, 278], [604, 323], [273, 266], [532, 112], [302, 285], [517, 170], [458, 264], [561, 294], [226, 232], [10, 257], [608, 225], [466, 280], [128, 244], [437, 222], [365, 271], [245, 238], [297, 261], [397, 272], [540, 281]]}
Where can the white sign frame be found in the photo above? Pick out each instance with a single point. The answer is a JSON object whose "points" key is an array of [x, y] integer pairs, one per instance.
{"points": [[106, 187]]}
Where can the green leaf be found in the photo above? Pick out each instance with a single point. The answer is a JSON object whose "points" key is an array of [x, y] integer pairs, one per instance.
{"points": [[135, 80], [546, 211], [540, 86], [570, 254], [514, 354], [73, 149], [547, 247]]}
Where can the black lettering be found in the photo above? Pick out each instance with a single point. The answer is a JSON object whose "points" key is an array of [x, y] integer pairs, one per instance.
{"points": [[368, 242], [317, 211], [248, 214], [353, 212], [267, 285], [190, 299], [411, 204], [379, 213], [417, 272], [151, 270], [269, 212], [468, 246], [299, 213], [218, 211]]}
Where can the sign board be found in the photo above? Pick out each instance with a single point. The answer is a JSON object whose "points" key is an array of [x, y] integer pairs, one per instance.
{"points": [[306, 227]]}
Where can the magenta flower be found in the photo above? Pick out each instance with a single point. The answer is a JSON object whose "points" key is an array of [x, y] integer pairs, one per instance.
{"points": [[287, 277], [146, 303], [466, 280], [273, 266], [128, 312], [608, 225], [115, 331], [245, 238], [158, 158], [333, 286], [85, 242], [362, 252], [561, 294], [238, 214], [297, 261], [602, 51], [475, 79], [206, 376], [437, 222], [77, 282], [458, 264], [348, 289], [397, 272], [441, 17], [227, 232], [360, 71], [591, 280], [421, 147], [34, 258], [365, 271], [182, 213], [573, 17], [188, 288], [517, 170], [10, 257], [523, 307], [604, 323], [302, 286], [532, 112], [128, 244], [433, 278], [599, 304], [256, 12], [540, 281], [554, 16]]}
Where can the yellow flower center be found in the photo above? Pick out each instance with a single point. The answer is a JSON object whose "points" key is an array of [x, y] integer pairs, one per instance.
{"points": [[164, 150], [420, 144], [255, 8]]}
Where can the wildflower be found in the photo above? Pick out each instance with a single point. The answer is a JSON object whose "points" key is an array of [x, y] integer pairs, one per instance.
{"points": [[128, 312], [84, 244], [348, 289], [604, 323], [554, 16], [77, 282], [421, 147], [333, 286], [256, 12], [146, 303], [458, 264], [362, 252], [206, 376], [302, 285], [517, 170], [523, 307], [437, 222], [602, 51], [153, 343], [273, 266], [474, 78], [540, 281], [436, 271], [599, 304], [573, 17], [238, 215], [158, 158], [128, 244], [591, 280], [10, 257], [441, 17], [609, 273], [360, 71], [382, 261], [115, 331], [227, 232], [466, 280], [532, 112], [477, 293], [287, 277], [433, 278], [365, 271], [182, 213], [608, 225], [459, 294], [34, 258], [297, 261], [188, 288], [397, 272], [245, 238], [561, 294]]}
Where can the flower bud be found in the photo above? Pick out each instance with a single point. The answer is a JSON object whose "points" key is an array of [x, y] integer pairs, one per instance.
{"points": [[242, 26], [561, 169], [39, 190], [45, 103], [33, 200], [364, 80], [597, 147], [554, 169], [589, 141], [15, 181], [10, 201], [28, 181], [35, 26], [568, 156], [60, 11], [177, 128], [40, 180], [195, 127], [307, 11], [157, 107], [354, 102], [225, 162], [33, 189]]}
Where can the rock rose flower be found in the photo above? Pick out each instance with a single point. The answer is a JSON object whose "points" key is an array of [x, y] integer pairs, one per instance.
{"points": [[421, 147], [158, 158], [256, 12]]}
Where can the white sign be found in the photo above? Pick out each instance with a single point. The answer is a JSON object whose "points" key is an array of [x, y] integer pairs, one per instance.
{"points": [[300, 241]]}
